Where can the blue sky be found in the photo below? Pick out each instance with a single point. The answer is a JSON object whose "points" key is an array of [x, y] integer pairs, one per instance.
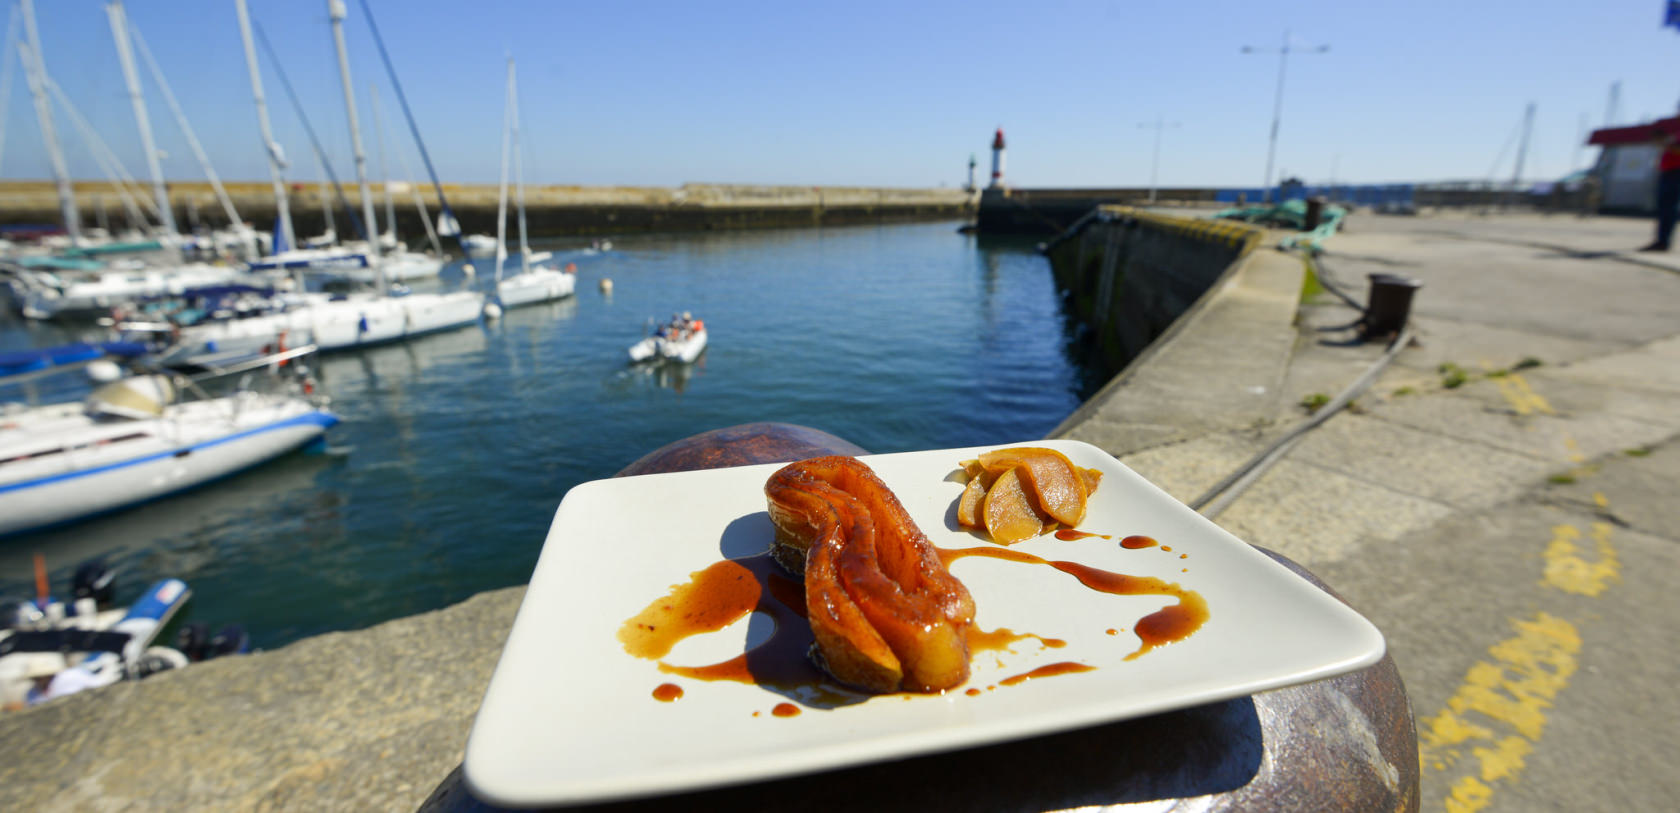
{"points": [[885, 94]]}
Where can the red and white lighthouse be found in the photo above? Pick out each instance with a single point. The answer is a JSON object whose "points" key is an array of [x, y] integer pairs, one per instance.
{"points": [[997, 160]]}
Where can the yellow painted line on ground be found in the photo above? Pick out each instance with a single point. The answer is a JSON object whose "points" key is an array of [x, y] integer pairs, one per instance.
{"points": [[1568, 570], [1522, 397], [1499, 711], [1497, 715]]}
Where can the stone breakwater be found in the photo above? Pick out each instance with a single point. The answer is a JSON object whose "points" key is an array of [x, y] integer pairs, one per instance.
{"points": [[554, 211]]}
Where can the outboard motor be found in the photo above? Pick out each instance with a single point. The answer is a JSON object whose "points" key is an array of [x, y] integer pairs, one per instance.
{"points": [[230, 640], [93, 579], [194, 640], [11, 615]]}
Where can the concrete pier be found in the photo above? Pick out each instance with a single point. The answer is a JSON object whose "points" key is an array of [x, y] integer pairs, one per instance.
{"points": [[554, 211], [1007, 210], [1501, 503]]}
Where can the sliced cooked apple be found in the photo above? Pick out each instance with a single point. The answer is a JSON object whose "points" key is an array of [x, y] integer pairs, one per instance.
{"points": [[970, 509], [1009, 514], [1056, 486]]}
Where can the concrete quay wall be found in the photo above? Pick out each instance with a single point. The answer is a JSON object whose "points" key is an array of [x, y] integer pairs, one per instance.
{"points": [[1130, 274], [553, 210], [1052, 211]]}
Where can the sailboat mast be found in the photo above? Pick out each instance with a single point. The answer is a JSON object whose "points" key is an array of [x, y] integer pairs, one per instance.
{"points": [[335, 10], [125, 56], [518, 168], [276, 159], [234, 221], [384, 170], [6, 73], [321, 191], [446, 215], [502, 193], [36, 67]]}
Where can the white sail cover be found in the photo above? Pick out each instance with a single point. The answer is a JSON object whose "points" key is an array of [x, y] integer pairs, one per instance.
{"points": [[138, 397]]}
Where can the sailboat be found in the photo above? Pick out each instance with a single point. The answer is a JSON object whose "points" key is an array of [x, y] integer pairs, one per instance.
{"points": [[141, 437], [103, 274], [328, 321], [539, 278], [397, 262]]}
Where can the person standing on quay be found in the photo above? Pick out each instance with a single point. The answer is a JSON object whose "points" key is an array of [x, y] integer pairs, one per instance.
{"points": [[1668, 190]]}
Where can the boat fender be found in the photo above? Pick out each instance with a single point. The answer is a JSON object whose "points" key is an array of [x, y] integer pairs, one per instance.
{"points": [[158, 659], [362, 324]]}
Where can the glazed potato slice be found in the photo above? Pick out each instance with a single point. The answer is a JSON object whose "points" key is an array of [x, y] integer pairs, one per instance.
{"points": [[1056, 486]]}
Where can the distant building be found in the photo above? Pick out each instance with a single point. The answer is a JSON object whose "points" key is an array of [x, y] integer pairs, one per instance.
{"points": [[1627, 167]]}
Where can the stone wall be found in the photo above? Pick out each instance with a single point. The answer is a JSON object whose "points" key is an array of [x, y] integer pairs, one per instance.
{"points": [[553, 210]]}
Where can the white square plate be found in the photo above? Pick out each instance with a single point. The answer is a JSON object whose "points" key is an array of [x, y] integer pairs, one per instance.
{"points": [[570, 717]]}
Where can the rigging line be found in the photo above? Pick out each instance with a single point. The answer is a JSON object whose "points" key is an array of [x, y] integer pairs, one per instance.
{"points": [[384, 172], [314, 141], [402, 98], [108, 163], [419, 202], [186, 126], [1493, 171], [6, 63]]}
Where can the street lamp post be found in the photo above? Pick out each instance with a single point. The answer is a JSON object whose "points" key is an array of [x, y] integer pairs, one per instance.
{"points": [[1277, 103], [1155, 163]]}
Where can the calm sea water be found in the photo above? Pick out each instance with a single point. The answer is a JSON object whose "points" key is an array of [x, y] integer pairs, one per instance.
{"points": [[456, 448]]}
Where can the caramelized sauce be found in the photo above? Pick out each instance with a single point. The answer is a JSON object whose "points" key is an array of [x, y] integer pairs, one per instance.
{"points": [[727, 591], [1163, 626], [1070, 534], [718, 596], [998, 640], [972, 692], [1050, 670]]}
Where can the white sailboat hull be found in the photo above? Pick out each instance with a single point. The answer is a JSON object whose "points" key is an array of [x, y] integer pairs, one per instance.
{"points": [[536, 285], [399, 267], [357, 321], [54, 297], [59, 465]]}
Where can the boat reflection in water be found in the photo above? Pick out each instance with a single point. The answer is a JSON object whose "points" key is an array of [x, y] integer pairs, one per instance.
{"points": [[191, 532], [660, 374]]}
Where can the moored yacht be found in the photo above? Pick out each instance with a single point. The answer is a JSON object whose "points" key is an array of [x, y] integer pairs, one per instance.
{"points": [[142, 437], [540, 278]]}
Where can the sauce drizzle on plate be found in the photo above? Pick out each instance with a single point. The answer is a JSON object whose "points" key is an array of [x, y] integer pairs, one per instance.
{"points": [[726, 591]]}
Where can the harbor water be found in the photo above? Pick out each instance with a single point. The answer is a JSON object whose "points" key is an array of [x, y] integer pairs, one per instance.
{"points": [[456, 448]]}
